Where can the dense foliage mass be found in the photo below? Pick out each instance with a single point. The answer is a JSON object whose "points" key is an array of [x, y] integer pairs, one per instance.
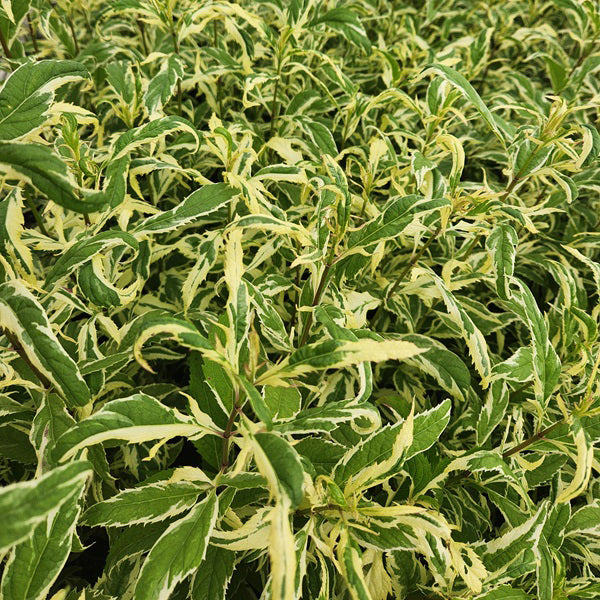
{"points": [[299, 299]]}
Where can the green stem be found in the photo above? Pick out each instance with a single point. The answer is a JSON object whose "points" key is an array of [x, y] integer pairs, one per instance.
{"points": [[73, 34], [415, 259], [275, 103], [142, 29], [179, 90], [218, 92], [5, 47], [316, 299], [33, 36], [235, 411], [36, 214]]}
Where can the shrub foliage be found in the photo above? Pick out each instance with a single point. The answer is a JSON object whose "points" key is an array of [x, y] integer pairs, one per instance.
{"points": [[299, 299]]}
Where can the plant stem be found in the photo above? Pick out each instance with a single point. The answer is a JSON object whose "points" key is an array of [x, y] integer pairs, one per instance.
{"points": [[73, 34], [235, 410], [583, 56], [275, 103], [179, 90], [19, 350], [316, 300], [36, 214], [531, 440], [509, 188], [142, 29], [33, 36], [411, 263], [218, 92], [5, 47]]}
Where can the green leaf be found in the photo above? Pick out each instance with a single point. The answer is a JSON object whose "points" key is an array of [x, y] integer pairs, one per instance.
{"points": [[29, 91], [504, 592], [151, 132], [585, 521], [36, 562], [394, 219], [545, 362], [321, 137], [444, 366], [178, 552], [349, 558], [502, 245], [40, 167], [144, 504], [82, 251], [499, 554], [516, 367], [346, 22], [469, 93], [26, 504], [281, 465], [211, 580], [493, 410], [200, 203], [336, 354], [137, 418], [162, 85], [379, 446], [28, 326], [470, 332]]}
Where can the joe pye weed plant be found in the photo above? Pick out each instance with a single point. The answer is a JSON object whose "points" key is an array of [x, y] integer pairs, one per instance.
{"points": [[299, 300]]}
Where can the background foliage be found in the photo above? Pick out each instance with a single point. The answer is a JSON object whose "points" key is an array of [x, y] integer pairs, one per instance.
{"points": [[299, 300]]}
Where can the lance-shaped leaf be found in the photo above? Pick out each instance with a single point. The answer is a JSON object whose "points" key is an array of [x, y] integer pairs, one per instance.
{"points": [[271, 224], [583, 468], [499, 554], [137, 418], [502, 245], [178, 552], [339, 185], [144, 504], [282, 552], [27, 324], [281, 466], [151, 132], [346, 22], [350, 562], [471, 334], [504, 592], [200, 203], [493, 411], [36, 562], [161, 87], [11, 231], [545, 361], [336, 354], [157, 323], [443, 365], [28, 93], [206, 258], [516, 367], [385, 443], [40, 167], [585, 521], [470, 93], [84, 251], [211, 581], [393, 220], [328, 417], [24, 505]]}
